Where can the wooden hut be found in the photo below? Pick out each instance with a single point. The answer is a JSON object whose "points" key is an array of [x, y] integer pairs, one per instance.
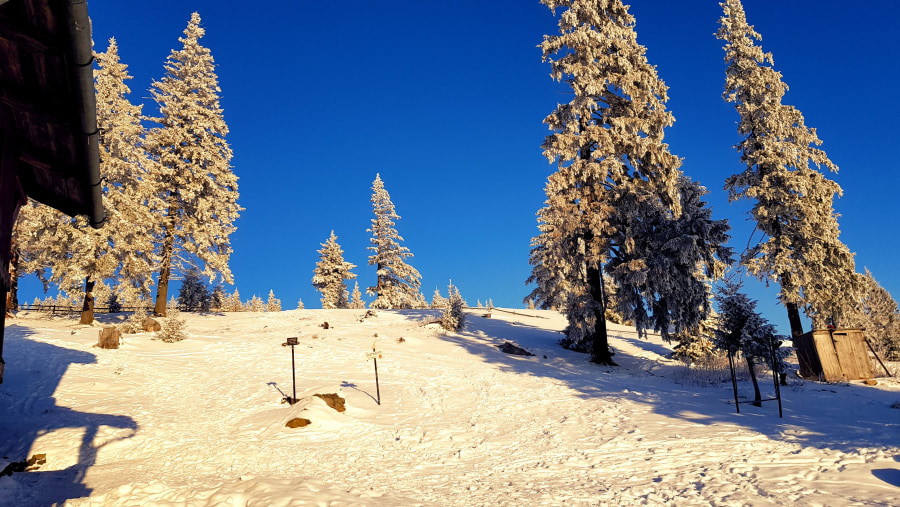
{"points": [[834, 355]]}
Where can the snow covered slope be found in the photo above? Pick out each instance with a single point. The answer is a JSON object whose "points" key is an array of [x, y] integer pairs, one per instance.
{"points": [[201, 422]]}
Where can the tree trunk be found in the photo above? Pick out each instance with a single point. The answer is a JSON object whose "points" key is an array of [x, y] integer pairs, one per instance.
{"points": [[794, 319], [87, 309], [600, 346], [757, 401], [2, 323], [12, 299], [162, 290]]}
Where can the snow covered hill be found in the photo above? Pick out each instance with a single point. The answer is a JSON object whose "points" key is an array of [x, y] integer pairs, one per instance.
{"points": [[201, 422]]}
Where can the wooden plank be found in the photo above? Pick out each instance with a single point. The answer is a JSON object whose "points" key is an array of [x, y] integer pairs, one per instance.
{"points": [[861, 350], [810, 366], [852, 354], [831, 365]]}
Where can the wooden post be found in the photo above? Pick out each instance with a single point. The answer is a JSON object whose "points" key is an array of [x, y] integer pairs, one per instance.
{"points": [[12, 197], [737, 404], [775, 376], [377, 387], [293, 377], [876, 357], [292, 340]]}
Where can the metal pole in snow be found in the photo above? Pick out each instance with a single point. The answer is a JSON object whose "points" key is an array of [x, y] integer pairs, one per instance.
{"points": [[292, 341], [377, 388], [374, 355], [775, 377], [293, 376]]}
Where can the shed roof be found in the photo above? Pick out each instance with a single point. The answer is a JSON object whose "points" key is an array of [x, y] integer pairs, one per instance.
{"points": [[47, 103]]}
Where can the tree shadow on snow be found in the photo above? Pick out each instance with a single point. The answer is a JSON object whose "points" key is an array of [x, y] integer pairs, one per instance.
{"points": [[843, 417], [28, 410], [888, 475]]}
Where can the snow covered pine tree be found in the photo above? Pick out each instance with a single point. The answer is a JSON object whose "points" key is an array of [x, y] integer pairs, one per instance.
{"points": [[273, 304], [794, 210], [330, 273], [453, 318], [398, 283], [194, 294], [78, 254], [356, 300], [616, 198], [878, 314], [195, 180], [741, 328]]}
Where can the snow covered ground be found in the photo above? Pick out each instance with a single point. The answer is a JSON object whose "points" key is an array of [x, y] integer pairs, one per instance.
{"points": [[201, 422]]}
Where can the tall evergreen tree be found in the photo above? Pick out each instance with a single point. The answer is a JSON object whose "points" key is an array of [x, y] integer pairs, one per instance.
{"points": [[616, 195], [398, 283], [76, 254], [330, 273], [195, 181], [682, 255], [793, 206]]}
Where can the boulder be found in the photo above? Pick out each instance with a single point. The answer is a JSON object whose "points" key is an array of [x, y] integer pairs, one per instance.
{"points": [[333, 400], [298, 422], [151, 325], [511, 348]]}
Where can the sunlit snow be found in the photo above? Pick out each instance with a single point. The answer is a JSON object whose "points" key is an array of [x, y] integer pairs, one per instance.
{"points": [[201, 422]]}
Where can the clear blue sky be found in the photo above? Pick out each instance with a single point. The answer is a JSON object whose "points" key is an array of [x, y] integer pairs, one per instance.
{"points": [[446, 100]]}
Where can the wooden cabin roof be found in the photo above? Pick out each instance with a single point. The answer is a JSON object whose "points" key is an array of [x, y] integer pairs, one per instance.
{"points": [[47, 103]]}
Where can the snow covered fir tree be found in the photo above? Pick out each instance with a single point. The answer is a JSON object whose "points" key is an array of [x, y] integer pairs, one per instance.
{"points": [[356, 299], [194, 295], [273, 304], [437, 300], [877, 312], [330, 275], [453, 317], [615, 203], [793, 200], [740, 328], [66, 252], [195, 181], [398, 283]]}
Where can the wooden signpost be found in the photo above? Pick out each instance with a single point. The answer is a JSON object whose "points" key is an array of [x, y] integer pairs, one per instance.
{"points": [[374, 355], [292, 341]]}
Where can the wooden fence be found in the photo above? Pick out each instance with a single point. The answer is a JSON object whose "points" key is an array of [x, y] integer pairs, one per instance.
{"points": [[59, 309]]}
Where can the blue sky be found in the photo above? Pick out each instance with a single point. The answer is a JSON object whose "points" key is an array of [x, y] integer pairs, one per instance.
{"points": [[445, 99]]}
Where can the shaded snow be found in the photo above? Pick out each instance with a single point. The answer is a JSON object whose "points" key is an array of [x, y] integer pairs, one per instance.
{"points": [[200, 422]]}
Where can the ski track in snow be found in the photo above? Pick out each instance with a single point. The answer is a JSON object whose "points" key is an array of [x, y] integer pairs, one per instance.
{"points": [[200, 422]]}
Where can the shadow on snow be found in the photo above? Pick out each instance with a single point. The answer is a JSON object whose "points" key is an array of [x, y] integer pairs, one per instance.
{"points": [[815, 414], [27, 399]]}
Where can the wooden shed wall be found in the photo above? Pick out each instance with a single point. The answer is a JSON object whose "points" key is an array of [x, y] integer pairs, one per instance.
{"points": [[852, 353], [835, 356]]}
